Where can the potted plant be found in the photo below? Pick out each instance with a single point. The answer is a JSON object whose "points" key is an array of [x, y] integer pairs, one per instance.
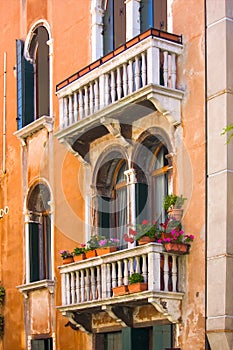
{"points": [[79, 253], [144, 233], [178, 242], [173, 204], [66, 256], [106, 245], [120, 290], [136, 283]]}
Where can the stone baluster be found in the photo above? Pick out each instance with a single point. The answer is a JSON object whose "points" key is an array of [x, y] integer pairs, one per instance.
{"points": [[63, 289], [109, 281], [119, 272], [125, 80], [77, 287], [130, 76], [82, 286], [119, 83], [91, 98], [166, 272], [169, 80], [131, 266], [98, 283], [102, 91], [138, 269], [153, 65], [104, 281], [81, 110], [88, 285], [93, 284], [72, 285], [126, 272], [144, 268], [106, 90], [96, 95], [70, 118], [137, 74], [154, 272], [65, 112], [114, 277], [143, 69], [86, 101], [165, 68], [173, 70], [174, 272], [113, 86], [67, 288], [75, 107]]}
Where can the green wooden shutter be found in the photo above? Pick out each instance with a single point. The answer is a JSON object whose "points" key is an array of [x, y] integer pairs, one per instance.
{"points": [[42, 344], [48, 248], [34, 251], [126, 339], [162, 337], [25, 87], [140, 338]]}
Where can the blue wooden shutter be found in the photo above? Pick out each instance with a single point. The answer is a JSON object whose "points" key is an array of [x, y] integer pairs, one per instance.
{"points": [[146, 18], [162, 337], [20, 88], [25, 87], [108, 28]]}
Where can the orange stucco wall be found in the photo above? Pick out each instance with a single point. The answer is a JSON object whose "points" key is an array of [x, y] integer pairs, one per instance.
{"points": [[70, 24]]}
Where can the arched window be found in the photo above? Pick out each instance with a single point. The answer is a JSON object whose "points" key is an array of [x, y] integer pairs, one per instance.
{"points": [[152, 179], [33, 78], [39, 233], [153, 14], [114, 30], [112, 199]]}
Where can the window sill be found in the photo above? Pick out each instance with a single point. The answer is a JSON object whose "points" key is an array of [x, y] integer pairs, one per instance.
{"points": [[25, 289], [32, 128]]}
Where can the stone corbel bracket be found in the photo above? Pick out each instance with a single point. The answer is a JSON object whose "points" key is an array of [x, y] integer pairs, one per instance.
{"points": [[79, 321], [122, 314], [170, 308], [114, 128]]}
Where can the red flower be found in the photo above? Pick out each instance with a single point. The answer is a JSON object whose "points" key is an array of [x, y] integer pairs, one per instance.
{"points": [[132, 232], [145, 222]]}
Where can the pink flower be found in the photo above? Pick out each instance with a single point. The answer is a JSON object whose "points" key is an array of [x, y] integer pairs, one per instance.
{"points": [[145, 222], [132, 232]]}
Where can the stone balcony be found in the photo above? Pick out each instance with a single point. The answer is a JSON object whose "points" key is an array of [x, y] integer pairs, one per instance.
{"points": [[119, 88], [87, 286]]}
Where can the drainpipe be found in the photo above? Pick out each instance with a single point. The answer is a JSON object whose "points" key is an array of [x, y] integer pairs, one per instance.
{"points": [[4, 119], [207, 347]]}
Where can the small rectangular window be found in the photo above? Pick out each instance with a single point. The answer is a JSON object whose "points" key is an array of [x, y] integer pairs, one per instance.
{"points": [[42, 344]]}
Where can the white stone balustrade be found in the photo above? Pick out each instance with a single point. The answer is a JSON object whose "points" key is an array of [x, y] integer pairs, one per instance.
{"points": [[151, 61], [92, 280]]}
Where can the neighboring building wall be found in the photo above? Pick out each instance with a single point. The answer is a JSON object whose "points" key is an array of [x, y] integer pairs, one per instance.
{"points": [[37, 156], [220, 177]]}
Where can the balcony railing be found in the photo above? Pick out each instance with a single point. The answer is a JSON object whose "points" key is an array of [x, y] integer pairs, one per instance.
{"points": [[147, 60], [89, 283]]}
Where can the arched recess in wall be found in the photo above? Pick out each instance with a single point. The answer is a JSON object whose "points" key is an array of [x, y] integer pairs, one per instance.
{"points": [[39, 233], [110, 200], [34, 74], [153, 165]]}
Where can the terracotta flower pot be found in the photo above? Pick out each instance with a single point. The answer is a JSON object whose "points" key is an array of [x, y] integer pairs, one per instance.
{"points": [[120, 290], [145, 240], [178, 248], [79, 257], [105, 250], [90, 254], [68, 260], [137, 287]]}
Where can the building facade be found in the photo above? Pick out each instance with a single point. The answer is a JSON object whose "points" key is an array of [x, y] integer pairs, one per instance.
{"points": [[107, 107]]}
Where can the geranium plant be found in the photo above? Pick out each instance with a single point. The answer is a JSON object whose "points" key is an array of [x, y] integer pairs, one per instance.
{"points": [[65, 254], [143, 229], [177, 236]]}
